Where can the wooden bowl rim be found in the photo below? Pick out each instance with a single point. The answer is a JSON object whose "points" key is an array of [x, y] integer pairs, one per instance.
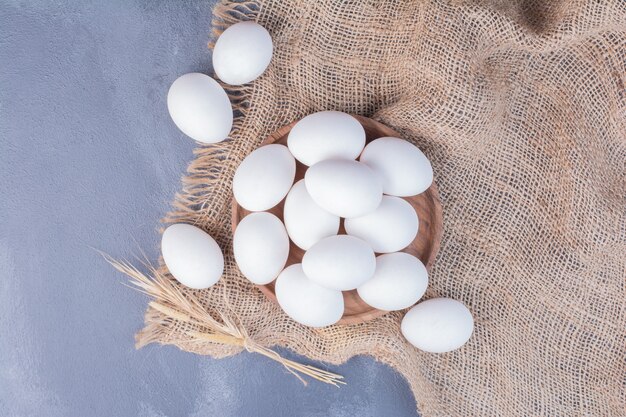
{"points": [[432, 191]]}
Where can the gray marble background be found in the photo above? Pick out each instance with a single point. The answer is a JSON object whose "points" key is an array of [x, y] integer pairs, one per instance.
{"points": [[89, 158]]}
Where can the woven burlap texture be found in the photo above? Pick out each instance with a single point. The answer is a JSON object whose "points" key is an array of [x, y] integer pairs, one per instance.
{"points": [[521, 109]]}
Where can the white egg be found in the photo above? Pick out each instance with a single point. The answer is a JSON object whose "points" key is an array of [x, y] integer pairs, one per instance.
{"points": [[339, 262], [200, 108], [405, 170], [326, 135], [305, 301], [264, 177], [261, 247], [192, 256], [306, 222], [344, 188], [399, 281], [438, 325], [242, 53], [389, 228]]}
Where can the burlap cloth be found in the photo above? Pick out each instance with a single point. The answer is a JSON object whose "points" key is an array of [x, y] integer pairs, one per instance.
{"points": [[521, 109]]}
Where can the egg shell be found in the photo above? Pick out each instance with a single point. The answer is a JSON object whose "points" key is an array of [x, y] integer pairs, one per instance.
{"points": [[305, 301], [326, 135], [339, 262], [344, 188], [404, 169], [438, 325], [261, 247], [200, 108], [306, 222], [264, 177], [391, 227], [192, 256], [399, 281], [242, 53]]}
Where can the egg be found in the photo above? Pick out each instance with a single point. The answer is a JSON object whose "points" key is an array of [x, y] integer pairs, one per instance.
{"points": [[344, 188], [264, 177], [399, 281], [200, 108], [242, 53], [305, 301], [392, 226], [339, 262], [326, 135], [404, 169], [306, 222], [192, 256], [261, 247], [438, 325]]}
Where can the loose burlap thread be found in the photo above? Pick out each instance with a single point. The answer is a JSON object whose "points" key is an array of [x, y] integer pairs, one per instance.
{"points": [[520, 106]]}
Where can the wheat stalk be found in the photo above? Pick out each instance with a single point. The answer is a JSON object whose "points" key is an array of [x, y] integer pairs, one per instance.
{"points": [[171, 302]]}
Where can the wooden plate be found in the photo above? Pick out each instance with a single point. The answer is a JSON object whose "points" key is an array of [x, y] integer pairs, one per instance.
{"points": [[425, 246]]}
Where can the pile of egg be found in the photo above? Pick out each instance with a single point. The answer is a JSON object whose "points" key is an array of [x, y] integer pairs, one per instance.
{"points": [[345, 179]]}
